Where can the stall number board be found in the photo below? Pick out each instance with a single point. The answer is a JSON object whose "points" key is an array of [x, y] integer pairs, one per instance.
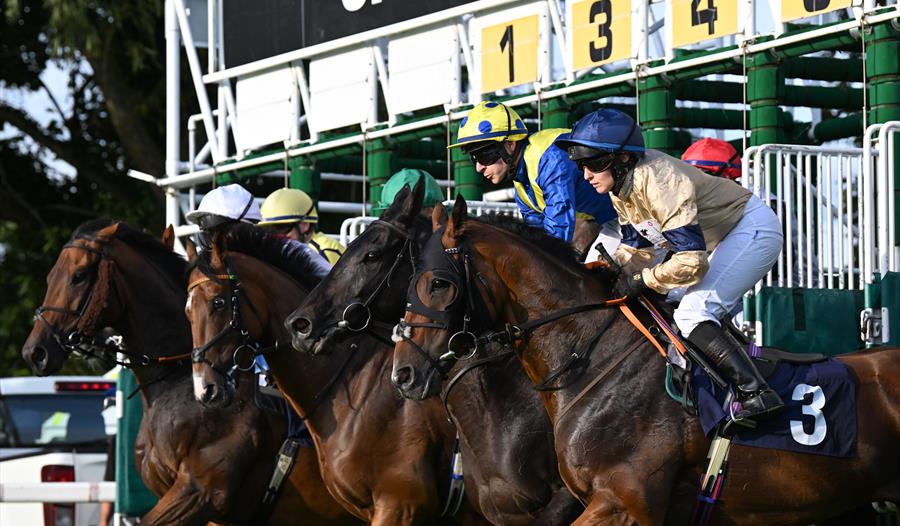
{"points": [[697, 20], [509, 53], [601, 32], [794, 9]]}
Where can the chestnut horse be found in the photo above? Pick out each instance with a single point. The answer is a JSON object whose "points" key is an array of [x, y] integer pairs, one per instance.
{"points": [[623, 448], [384, 459], [205, 465], [509, 482]]}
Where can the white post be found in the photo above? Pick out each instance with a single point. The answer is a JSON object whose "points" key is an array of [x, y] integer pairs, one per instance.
{"points": [[173, 100], [867, 212], [197, 77], [643, 33]]}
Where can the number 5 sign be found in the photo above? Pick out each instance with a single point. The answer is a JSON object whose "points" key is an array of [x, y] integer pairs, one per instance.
{"points": [[599, 31], [512, 46], [794, 9], [697, 20]]}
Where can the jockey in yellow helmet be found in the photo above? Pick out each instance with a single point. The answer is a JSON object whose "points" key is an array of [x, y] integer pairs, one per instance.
{"points": [[550, 189], [292, 213]]}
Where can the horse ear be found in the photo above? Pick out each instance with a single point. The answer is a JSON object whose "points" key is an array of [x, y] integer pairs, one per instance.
{"points": [[191, 249], [458, 216], [108, 233], [438, 216], [168, 237], [417, 197], [217, 258]]}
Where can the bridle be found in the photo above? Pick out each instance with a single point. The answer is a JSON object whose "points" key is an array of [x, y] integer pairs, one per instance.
{"points": [[76, 341], [362, 310], [454, 266]]}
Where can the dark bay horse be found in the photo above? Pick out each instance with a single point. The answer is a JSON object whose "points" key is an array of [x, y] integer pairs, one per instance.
{"points": [[623, 447], [205, 465], [384, 459], [510, 482]]}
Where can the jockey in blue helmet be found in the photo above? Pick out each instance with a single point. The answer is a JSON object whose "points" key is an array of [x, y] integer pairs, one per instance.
{"points": [[550, 191], [721, 237]]}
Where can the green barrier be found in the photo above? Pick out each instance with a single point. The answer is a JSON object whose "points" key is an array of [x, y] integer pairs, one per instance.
{"points": [[133, 499], [890, 298], [810, 320]]}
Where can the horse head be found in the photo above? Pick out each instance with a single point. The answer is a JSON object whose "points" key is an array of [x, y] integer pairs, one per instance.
{"points": [[226, 320], [75, 305], [362, 290], [445, 308]]}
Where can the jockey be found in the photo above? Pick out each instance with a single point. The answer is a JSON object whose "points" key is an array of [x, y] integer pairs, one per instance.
{"points": [[409, 177], [292, 214], [723, 239], [232, 203], [715, 157], [549, 188]]}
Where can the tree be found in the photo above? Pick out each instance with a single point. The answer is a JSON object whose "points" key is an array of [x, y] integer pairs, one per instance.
{"points": [[110, 120]]}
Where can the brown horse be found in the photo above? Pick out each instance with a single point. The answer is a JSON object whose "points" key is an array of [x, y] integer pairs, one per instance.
{"points": [[204, 465], [623, 448], [385, 460], [509, 482]]}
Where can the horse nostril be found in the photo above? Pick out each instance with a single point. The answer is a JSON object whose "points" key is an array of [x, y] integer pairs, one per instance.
{"points": [[301, 326], [38, 356], [210, 393], [403, 377]]}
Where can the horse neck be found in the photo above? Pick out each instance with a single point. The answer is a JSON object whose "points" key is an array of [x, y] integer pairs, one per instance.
{"points": [[300, 375], [541, 285], [152, 324]]}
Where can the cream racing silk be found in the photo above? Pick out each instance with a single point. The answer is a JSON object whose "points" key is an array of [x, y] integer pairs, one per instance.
{"points": [[669, 205]]}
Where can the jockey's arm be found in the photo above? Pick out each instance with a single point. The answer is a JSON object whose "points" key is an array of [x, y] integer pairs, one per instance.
{"points": [[312, 264], [557, 178]]}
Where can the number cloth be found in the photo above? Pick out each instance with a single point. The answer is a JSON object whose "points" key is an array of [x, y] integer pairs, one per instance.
{"points": [[550, 189], [819, 416]]}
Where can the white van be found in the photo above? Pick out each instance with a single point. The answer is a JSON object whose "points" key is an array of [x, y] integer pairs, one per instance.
{"points": [[51, 430]]}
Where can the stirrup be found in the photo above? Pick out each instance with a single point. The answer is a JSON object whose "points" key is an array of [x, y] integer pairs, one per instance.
{"points": [[759, 405]]}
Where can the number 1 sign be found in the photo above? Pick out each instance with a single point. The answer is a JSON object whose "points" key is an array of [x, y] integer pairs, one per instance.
{"points": [[510, 45]]}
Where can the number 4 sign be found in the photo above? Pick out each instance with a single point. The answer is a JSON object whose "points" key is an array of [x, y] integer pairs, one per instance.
{"points": [[697, 20]]}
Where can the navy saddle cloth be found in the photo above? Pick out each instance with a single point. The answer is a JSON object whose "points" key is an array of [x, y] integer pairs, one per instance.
{"points": [[819, 415]]}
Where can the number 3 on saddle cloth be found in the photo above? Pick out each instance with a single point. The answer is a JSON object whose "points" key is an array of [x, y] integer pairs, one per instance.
{"points": [[819, 416]]}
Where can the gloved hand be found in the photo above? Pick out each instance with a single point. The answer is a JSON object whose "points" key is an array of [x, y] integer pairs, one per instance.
{"points": [[629, 284]]}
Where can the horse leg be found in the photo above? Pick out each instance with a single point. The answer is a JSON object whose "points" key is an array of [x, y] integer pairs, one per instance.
{"points": [[182, 505], [563, 508]]}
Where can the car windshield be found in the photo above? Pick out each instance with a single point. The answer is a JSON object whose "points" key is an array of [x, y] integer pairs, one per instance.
{"points": [[39, 420]]}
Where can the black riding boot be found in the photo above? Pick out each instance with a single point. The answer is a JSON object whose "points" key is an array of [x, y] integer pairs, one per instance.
{"points": [[753, 393]]}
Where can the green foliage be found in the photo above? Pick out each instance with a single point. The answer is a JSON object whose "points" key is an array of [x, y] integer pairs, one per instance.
{"points": [[111, 119]]}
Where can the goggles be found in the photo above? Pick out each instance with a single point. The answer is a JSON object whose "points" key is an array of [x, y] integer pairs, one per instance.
{"points": [[597, 164], [488, 155]]}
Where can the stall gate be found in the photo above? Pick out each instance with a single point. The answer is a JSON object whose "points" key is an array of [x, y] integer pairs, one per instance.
{"points": [[836, 208]]}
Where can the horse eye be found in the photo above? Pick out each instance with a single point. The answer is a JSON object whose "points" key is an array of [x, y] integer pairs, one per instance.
{"points": [[438, 284], [218, 304], [372, 256], [79, 276]]}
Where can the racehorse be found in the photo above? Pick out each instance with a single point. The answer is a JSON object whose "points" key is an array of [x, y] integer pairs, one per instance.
{"points": [[509, 481], [623, 448], [385, 460], [205, 465]]}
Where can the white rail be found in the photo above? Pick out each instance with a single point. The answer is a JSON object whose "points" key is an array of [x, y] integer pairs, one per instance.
{"points": [[58, 492]]}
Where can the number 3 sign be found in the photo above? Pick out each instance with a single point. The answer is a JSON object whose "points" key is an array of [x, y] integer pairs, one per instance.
{"points": [[599, 31]]}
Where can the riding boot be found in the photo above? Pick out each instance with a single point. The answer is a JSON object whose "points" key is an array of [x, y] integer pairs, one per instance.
{"points": [[754, 394]]}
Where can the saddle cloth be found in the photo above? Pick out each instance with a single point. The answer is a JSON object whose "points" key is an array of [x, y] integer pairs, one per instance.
{"points": [[819, 416]]}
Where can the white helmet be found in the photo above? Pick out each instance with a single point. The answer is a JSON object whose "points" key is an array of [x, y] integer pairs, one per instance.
{"points": [[223, 205]]}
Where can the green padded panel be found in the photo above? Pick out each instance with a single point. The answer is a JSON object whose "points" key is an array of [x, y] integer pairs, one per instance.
{"points": [[133, 499], [810, 320], [890, 298]]}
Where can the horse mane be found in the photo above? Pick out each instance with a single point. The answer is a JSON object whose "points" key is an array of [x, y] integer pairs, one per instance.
{"points": [[552, 246], [148, 246], [257, 243]]}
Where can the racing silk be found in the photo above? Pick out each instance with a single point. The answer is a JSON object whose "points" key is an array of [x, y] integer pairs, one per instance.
{"points": [[314, 266], [667, 204], [327, 247], [550, 190]]}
